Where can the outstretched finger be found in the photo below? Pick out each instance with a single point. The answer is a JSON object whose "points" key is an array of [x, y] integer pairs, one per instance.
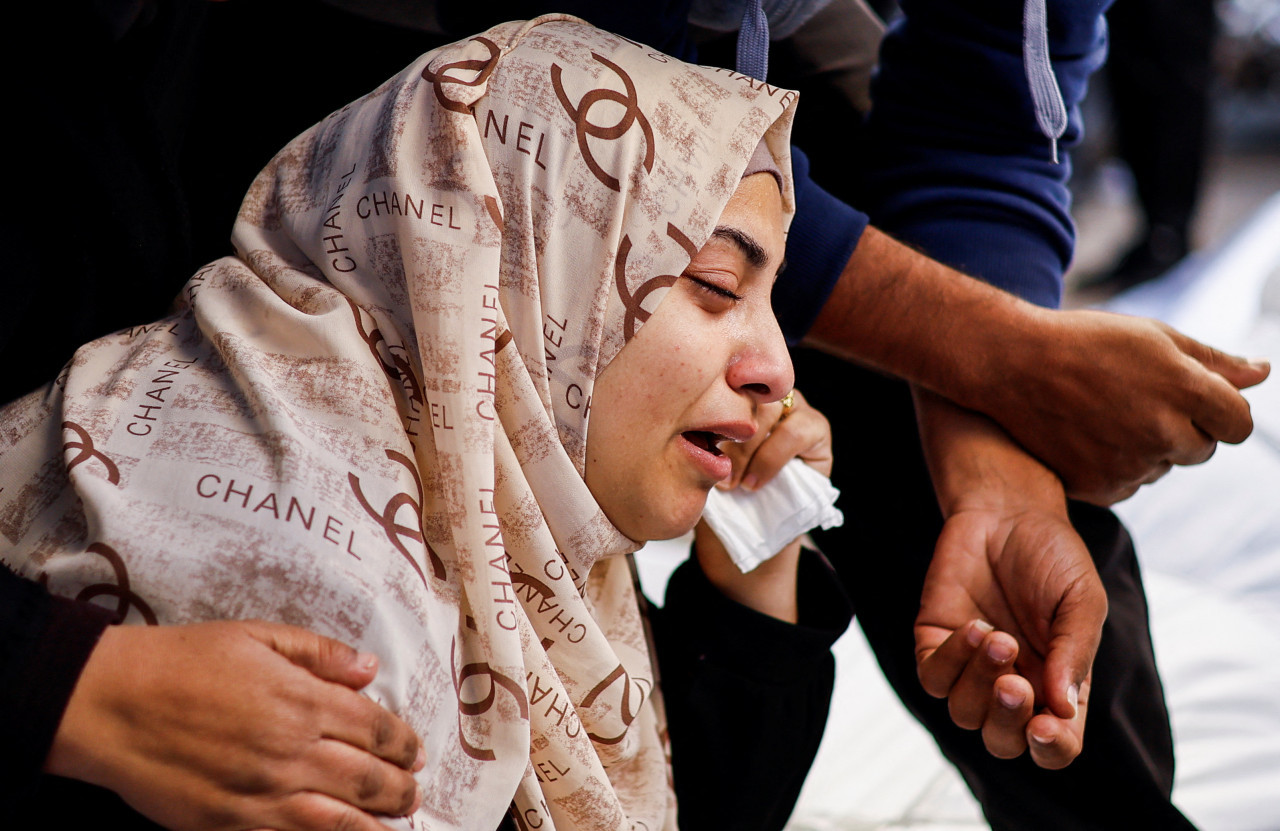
{"points": [[351, 718], [325, 658], [970, 699], [1218, 408], [311, 811], [940, 665], [339, 770], [1241, 372]]}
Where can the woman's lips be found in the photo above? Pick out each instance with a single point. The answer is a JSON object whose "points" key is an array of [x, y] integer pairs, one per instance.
{"points": [[700, 445]]}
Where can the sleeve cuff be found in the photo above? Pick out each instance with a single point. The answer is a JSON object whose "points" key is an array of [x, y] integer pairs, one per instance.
{"points": [[726, 633]]}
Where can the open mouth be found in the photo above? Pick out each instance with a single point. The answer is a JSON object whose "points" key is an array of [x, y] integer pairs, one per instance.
{"points": [[704, 440]]}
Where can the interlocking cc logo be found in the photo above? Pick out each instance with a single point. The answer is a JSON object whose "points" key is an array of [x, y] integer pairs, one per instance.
{"points": [[120, 589], [88, 452], [387, 519], [626, 712], [631, 114], [481, 705], [397, 368], [483, 70], [634, 303]]}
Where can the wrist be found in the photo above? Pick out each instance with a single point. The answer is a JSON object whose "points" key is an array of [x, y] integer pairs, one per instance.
{"points": [[975, 466], [769, 588], [83, 733]]}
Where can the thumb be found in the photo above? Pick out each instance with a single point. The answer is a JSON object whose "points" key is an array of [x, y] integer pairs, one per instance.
{"points": [[1075, 634], [326, 658], [1241, 372]]}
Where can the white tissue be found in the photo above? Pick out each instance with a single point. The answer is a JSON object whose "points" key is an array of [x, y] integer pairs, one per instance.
{"points": [[756, 526]]}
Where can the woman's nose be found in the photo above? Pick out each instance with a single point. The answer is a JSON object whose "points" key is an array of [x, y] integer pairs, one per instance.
{"points": [[762, 368]]}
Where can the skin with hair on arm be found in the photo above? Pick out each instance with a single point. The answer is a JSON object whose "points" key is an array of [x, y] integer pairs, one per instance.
{"points": [[1108, 402], [236, 725]]}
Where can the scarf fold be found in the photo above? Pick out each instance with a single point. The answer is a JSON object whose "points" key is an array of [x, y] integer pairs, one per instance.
{"points": [[372, 421]]}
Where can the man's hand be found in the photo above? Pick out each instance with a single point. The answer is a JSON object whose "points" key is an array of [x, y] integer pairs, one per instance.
{"points": [[1012, 608], [1111, 402], [1025, 681], [237, 725]]}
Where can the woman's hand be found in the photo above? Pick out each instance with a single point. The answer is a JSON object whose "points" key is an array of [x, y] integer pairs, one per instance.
{"points": [[804, 434], [237, 725], [770, 587]]}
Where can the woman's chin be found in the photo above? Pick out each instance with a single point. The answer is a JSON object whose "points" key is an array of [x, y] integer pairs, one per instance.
{"points": [[676, 521]]}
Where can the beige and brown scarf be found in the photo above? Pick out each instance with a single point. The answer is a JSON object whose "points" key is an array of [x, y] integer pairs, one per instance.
{"points": [[372, 422]]}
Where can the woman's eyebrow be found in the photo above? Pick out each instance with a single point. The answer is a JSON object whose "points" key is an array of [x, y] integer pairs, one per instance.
{"points": [[752, 250]]}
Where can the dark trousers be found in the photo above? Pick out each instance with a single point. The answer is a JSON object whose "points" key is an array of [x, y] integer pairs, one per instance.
{"points": [[1159, 71], [1124, 775]]}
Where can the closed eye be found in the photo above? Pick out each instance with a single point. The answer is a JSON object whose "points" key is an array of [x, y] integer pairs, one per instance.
{"points": [[712, 288]]}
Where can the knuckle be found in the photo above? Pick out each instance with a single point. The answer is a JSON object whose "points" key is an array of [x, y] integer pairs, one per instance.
{"points": [[313, 812], [264, 778], [408, 796], [348, 818], [226, 813], [382, 732], [371, 782], [1003, 746], [1242, 426], [965, 716], [409, 751]]}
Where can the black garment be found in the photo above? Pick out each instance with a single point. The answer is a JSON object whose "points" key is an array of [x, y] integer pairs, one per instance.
{"points": [[96, 219], [1159, 72], [747, 696], [1159, 75], [46, 642], [1123, 777]]}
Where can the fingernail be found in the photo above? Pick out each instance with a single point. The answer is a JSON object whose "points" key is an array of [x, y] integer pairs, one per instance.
{"points": [[1043, 740], [1000, 651], [1259, 363], [1073, 698], [749, 481], [420, 761], [1011, 699], [367, 661], [977, 631]]}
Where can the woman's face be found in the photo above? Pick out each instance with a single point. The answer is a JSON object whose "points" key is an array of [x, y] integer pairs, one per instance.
{"points": [[693, 376]]}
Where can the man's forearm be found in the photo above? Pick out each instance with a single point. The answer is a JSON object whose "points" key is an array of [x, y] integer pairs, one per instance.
{"points": [[1107, 401], [898, 311]]}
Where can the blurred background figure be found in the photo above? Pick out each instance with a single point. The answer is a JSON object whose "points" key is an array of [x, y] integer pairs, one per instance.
{"points": [[1182, 140]]}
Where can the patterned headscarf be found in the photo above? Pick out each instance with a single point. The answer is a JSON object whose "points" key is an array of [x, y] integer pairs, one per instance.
{"points": [[372, 422]]}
